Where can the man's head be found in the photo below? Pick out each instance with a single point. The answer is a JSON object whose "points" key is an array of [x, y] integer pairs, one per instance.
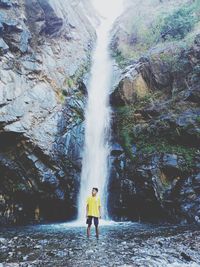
{"points": [[94, 191]]}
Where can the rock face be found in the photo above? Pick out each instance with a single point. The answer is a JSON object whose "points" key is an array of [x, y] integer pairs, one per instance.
{"points": [[44, 56], [155, 159], [131, 88]]}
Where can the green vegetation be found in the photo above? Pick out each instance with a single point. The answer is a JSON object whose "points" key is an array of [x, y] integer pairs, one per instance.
{"points": [[171, 32], [151, 145], [180, 22], [126, 112], [198, 119], [125, 122], [196, 73], [120, 59], [61, 96], [174, 24], [71, 83], [127, 140], [177, 24], [147, 141], [78, 75], [126, 119], [78, 114]]}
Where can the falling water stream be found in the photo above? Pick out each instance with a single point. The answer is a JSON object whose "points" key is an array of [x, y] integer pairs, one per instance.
{"points": [[95, 168]]}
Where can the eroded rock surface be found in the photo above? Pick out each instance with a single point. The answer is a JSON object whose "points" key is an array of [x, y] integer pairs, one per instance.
{"points": [[44, 58], [155, 158]]}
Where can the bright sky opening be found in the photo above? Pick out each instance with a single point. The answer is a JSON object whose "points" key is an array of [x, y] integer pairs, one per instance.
{"points": [[108, 8]]}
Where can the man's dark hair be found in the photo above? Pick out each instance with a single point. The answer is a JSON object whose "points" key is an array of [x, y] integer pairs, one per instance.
{"points": [[95, 188]]}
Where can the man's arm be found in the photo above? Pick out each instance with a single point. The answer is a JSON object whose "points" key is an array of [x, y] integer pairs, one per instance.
{"points": [[99, 208], [99, 211], [86, 210]]}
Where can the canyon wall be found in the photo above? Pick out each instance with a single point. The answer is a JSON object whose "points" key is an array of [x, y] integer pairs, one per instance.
{"points": [[155, 161], [45, 49]]}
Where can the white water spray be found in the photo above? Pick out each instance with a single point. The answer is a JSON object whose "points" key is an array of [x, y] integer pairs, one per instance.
{"points": [[97, 114]]}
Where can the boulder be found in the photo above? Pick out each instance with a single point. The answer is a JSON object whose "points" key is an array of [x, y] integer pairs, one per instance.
{"points": [[4, 48], [6, 3], [53, 23], [130, 89]]}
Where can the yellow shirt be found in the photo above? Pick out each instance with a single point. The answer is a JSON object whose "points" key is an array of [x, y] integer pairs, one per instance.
{"points": [[93, 206]]}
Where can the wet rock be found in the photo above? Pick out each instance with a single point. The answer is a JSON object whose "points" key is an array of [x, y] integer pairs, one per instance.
{"points": [[71, 253], [12, 26], [42, 124], [53, 23], [1, 28], [131, 88], [61, 254], [3, 47], [162, 126], [117, 150], [51, 253], [186, 256], [197, 219], [13, 264], [3, 240], [193, 95], [196, 180], [189, 199], [15, 34], [25, 258], [6, 3], [43, 18], [143, 238], [89, 253], [37, 247], [170, 161]]}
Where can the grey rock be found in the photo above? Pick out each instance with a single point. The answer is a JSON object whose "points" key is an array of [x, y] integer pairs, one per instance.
{"points": [[4, 48], [6, 3], [37, 247], [36, 119], [170, 161], [3, 240]]}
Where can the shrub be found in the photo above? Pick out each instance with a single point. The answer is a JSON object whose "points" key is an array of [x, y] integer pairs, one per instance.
{"points": [[179, 23]]}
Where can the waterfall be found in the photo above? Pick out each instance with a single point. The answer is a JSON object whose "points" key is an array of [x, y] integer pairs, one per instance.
{"points": [[95, 168]]}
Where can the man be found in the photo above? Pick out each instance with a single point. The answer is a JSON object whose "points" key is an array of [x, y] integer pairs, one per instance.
{"points": [[93, 211]]}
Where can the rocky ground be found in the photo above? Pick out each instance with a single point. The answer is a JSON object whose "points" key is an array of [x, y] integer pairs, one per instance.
{"points": [[122, 244]]}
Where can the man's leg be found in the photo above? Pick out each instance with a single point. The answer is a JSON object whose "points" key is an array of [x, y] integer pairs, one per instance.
{"points": [[97, 231], [88, 231], [89, 222], [96, 223]]}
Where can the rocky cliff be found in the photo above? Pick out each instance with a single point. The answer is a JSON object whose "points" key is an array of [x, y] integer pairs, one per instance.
{"points": [[155, 161], [44, 58]]}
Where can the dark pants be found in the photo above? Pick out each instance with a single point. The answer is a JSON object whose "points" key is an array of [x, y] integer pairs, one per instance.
{"points": [[89, 220]]}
